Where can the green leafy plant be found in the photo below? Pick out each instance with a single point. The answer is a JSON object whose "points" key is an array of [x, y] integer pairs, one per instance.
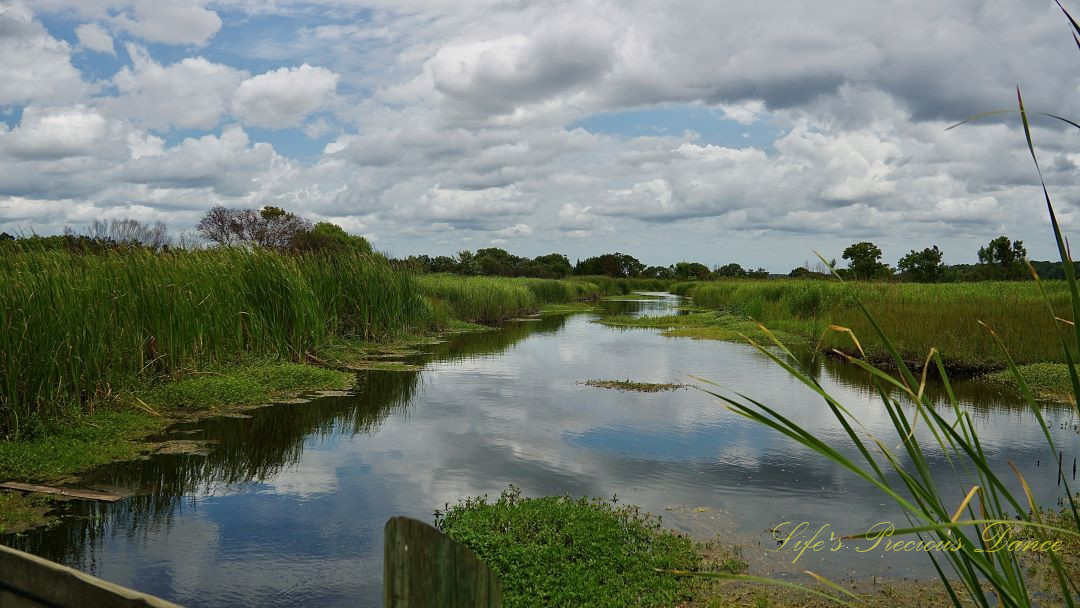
{"points": [[562, 551]]}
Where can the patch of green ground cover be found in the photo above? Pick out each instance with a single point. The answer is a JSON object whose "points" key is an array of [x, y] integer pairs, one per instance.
{"points": [[77, 444], [1047, 381], [629, 385], [705, 326], [245, 384], [917, 316], [561, 551], [21, 511], [454, 325], [564, 309]]}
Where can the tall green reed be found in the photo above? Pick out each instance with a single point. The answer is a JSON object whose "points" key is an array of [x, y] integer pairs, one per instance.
{"points": [[76, 328]]}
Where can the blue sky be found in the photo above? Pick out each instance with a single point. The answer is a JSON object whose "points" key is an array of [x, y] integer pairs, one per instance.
{"points": [[671, 130]]}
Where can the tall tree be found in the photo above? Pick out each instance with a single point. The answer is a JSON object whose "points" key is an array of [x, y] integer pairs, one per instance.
{"points": [[730, 270], [1003, 259], [864, 260], [271, 227], [923, 266]]}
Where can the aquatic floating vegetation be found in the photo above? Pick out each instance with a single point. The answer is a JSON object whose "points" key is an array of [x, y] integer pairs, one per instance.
{"points": [[628, 385]]}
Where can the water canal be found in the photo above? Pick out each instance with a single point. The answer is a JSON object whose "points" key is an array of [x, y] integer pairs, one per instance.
{"points": [[286, 507]]}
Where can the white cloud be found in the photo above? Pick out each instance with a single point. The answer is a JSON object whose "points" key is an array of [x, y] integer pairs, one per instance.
{"points": [[228, 164], [453, 121], [190, 94], [55, 133], [36, 68], [93, 37], [173, 22], [284, 97]]}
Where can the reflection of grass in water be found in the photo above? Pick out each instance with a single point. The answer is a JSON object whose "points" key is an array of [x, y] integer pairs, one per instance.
{"points": [[628, 385], [246, 450]]}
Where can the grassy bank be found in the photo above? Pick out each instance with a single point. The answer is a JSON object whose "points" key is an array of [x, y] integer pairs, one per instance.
{"points": [[98, 351], [493, 299], [74, 329], [917, 316], [77, 329]]}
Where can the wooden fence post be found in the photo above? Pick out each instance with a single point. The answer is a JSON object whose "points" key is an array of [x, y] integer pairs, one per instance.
{"points": [[424, 568]]}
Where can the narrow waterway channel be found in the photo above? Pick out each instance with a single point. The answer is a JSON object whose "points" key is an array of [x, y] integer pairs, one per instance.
{"points": [[286, 507]]}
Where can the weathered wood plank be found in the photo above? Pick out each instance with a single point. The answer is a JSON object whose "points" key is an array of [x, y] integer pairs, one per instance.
{"points": [[70, 492], [28, 581], [425, 568]]}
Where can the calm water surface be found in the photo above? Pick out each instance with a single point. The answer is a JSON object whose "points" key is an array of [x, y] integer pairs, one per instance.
{"points": [[287, 507]]}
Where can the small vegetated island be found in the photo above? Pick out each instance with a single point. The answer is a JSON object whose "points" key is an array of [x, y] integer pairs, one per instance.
{"points": [[112, 334]]}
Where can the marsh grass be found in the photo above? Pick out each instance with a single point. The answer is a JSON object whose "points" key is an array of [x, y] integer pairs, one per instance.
{"points": [[494, 299], [77, 328], [915, 316], [707, 325]]}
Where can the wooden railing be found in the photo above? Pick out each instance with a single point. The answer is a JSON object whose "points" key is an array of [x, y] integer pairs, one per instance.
{"points": [[423, 568], [28, 581]]}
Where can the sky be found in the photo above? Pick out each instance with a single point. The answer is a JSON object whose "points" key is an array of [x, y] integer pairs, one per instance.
{"points": [[738, 131]]}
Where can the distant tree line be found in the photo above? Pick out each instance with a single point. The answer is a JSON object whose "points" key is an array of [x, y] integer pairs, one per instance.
{"points": [[498, 262], [269, 227], [281, 230], [1001, 259]]}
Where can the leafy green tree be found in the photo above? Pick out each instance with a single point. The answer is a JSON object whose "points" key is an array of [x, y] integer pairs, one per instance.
{"points": [[659, 272], [554, 264], [443, 263], [466, 263], [1002, 252], [692, 270], [864, 260], [759, 273], [923, 266], [730, 270], [327, 237], [1003, 259], [494, 261], [610, 264]]}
